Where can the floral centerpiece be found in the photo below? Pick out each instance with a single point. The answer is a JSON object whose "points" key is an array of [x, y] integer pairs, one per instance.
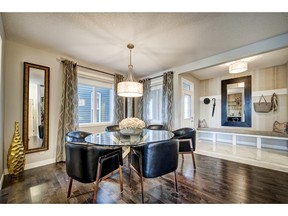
{"points": [[131, 126]]}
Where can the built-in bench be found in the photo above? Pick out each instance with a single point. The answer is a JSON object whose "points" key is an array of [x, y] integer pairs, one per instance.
{"points": [[242, 132]]}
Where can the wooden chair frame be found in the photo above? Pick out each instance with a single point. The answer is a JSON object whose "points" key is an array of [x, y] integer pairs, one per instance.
{"points": [[140, 174], [192, 151], [98, 178]]}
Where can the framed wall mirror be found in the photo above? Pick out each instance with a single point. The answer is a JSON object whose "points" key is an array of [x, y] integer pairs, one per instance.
{"points": [[236, 102], [36, 108]]}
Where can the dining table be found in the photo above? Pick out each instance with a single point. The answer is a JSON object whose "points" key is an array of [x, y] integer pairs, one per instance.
{"points": [[117, 139]]}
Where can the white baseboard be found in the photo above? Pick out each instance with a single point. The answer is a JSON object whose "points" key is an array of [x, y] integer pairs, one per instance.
{"points": [[36, 164], [1, 180]]}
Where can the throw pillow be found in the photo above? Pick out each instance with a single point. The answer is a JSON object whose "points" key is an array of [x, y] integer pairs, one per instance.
{"points": [[280, 127], [202, 124]]}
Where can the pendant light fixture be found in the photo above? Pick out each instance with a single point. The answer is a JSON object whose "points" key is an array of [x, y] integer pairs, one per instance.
{"points": [[130, 87]]}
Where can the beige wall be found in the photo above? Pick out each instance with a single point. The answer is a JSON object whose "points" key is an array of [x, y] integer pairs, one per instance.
{"points": [[264, 81], [15, 56], [2, 39]]}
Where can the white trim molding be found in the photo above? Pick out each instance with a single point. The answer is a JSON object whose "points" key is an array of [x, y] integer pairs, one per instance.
{"points": [[270, 92], [36, 164]]}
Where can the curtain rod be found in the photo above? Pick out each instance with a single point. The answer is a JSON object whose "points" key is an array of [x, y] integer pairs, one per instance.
{"points": [[93, 69], [155, 77], [96, 70]]}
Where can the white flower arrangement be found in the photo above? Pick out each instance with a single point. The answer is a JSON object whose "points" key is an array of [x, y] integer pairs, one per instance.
{"points": [[131, 123]]}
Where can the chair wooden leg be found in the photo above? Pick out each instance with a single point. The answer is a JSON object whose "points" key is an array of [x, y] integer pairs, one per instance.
{"points": [[192, 153], [96, 190], [182, 156], [97, 181], [121, 178], [130, 175], [193, 160], [142, 190], [69, 188], [176, 182]]}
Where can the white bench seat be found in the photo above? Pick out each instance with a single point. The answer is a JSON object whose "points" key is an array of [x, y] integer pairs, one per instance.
{"points": [[242, 132]]}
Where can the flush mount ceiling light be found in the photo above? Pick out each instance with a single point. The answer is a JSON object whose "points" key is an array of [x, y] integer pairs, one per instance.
{"points": [[238, 67], [130, 87]]}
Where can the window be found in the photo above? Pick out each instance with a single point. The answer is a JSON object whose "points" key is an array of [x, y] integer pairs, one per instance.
{"points": [[95, 101], [187, 99], [186, 86], [155, 103], [187, 106]]}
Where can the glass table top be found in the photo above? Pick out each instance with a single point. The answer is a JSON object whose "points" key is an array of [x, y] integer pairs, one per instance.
{"points": [[118, 139]]}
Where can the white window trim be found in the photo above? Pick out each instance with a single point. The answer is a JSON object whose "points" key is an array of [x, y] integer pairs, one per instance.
{"points": [[87, 125], [93, 82], [98, 107]]}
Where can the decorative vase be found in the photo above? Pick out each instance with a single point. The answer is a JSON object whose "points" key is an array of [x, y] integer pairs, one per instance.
{"points": [[16, 154]]}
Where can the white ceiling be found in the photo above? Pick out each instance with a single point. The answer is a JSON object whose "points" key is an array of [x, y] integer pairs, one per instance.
{"points": [[162, 40]]}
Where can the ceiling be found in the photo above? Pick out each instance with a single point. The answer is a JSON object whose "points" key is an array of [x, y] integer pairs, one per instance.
{"points": [[162, 40]]}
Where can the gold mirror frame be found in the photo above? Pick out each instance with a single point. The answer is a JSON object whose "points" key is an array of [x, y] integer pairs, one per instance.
{"points": [[28, 67]]}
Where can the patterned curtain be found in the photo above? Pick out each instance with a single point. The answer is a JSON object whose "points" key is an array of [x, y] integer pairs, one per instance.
{"points": [[143, 105], [119, 101], [167, 100], [68, 120]]}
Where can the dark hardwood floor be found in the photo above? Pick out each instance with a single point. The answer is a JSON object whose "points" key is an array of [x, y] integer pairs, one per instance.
{"points": [[215, 181]]}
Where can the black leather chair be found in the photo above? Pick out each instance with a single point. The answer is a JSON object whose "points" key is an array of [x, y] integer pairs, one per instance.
{"points": [[187, 142], [153, 160], [112, 128], [155, 127], [90, 163], [76, 136]]}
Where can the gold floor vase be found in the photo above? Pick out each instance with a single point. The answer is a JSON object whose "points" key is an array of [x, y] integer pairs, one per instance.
{"points": [[16, 154]]}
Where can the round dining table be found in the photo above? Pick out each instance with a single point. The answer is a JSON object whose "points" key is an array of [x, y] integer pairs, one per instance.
{"points": [[117, 139]]}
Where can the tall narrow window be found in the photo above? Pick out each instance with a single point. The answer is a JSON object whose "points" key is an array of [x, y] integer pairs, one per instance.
{"points": [[187, 98], [187, 106], [155, 102]]}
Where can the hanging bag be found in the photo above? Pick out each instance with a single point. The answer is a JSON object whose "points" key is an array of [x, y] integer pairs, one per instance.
{"points": [[274, 102], [262, 107]]}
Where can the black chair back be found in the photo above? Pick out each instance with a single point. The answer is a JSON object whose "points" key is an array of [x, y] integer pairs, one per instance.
{"points": [[82, 160], [76, 136], [157, 158], [112, 128], [185, 133], [187, 142], [90, 163], [156, 127], [153, 160]]}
